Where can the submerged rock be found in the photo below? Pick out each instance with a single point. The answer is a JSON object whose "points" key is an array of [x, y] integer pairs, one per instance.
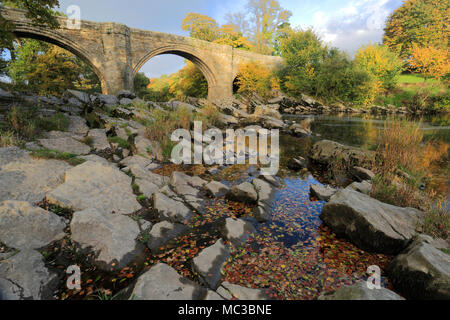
{"points": [[237, 231], [209, 263], [421, 271], [163, 232], [111, 236], [94, 185], [162, 282], [360, 291], [370, 224]]}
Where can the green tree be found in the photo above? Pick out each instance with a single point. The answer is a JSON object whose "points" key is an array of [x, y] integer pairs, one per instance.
{"points": [[380, 62], [191, 82], [424, 22], [141, 83], [49, 70]]}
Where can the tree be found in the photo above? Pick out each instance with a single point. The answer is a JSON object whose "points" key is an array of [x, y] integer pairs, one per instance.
{"points": [[141, 83], [429, 61], [424, 22], [380, 62], [266, 16], [191, 82], [229, 36], [49, 70], [254, 77], [239, 22], [200, 26]]}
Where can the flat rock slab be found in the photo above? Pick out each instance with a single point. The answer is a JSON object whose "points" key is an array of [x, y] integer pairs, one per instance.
{"points": [[94, 185], [421, 272], [111, 236], [230, 291], [360, 291], [326, 151], [321, 192], [209, 263], [171, 210], [237, 231], [163, 232], [370, 224], [27, 179], [68, 145], [363, 187], [23, 226], [362, 174], [162, 282], [99, 140], [216, 189], [25, 277]]}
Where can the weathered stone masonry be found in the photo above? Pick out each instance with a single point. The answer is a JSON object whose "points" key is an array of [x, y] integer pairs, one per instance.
{"points": [[117, 52]]}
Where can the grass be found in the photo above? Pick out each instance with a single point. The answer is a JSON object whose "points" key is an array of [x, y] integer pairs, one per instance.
{"points": [[401, 150], [10, 139], [120, 141], [27, 123], [72, 159]]}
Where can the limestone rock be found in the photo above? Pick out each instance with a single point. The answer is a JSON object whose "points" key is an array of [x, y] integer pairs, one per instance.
{"points": [[244, 192], [68, 145], [241, 293], [421, 271], [171, 210], [111, 236], [322, 193], [23, 226], [237, 231], [25, 277], [162, 282], [27, 179], [326, 151], [363, 187], [361, 174], [360, 291], [77, 125], [148, 149], [216, 189], [95, 185], [209, 263], [163, 232], [99, 140], [370, 224]]}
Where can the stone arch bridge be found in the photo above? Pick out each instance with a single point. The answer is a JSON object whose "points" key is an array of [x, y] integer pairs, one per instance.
{"points": [[116, 52]]}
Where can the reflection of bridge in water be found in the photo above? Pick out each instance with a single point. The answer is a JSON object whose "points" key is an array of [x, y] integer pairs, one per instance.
{"points": [[117, 52]]}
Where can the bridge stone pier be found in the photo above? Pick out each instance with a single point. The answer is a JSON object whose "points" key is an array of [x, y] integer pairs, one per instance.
{"points": [[116, 52]]}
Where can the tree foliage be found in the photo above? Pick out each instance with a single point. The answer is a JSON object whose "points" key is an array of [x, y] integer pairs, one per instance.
{"points": [[49, 70], [254, 77], [424, 22], [201, 26], [429, 61], [381, 63], [266, 16]]}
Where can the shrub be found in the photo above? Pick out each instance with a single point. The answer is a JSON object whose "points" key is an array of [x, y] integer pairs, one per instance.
{"points": [[209, 115], [381, 63], [10, 139], [254, 78]]}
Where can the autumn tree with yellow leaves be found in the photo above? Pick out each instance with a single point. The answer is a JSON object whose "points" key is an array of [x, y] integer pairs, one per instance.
{"points": [[430, 62]]}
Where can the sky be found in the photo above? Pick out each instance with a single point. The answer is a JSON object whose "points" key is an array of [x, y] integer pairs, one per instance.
{"points": [[346, 24]]}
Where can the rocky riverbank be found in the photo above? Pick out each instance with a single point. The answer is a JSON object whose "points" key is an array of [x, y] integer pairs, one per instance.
{"points": [[99, 195]]}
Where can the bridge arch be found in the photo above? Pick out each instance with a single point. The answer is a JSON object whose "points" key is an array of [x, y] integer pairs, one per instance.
{"points": [[185, 52], [63, 42]]}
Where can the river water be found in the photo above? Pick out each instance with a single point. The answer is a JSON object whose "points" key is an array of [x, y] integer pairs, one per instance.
{"points": [[294, 256]]}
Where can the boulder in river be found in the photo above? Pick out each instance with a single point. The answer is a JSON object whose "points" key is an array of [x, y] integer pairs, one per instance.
{"points": [[322, 193], [237, 231], [244, 192], [326, 151], [421, 271], [370, 224]]}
